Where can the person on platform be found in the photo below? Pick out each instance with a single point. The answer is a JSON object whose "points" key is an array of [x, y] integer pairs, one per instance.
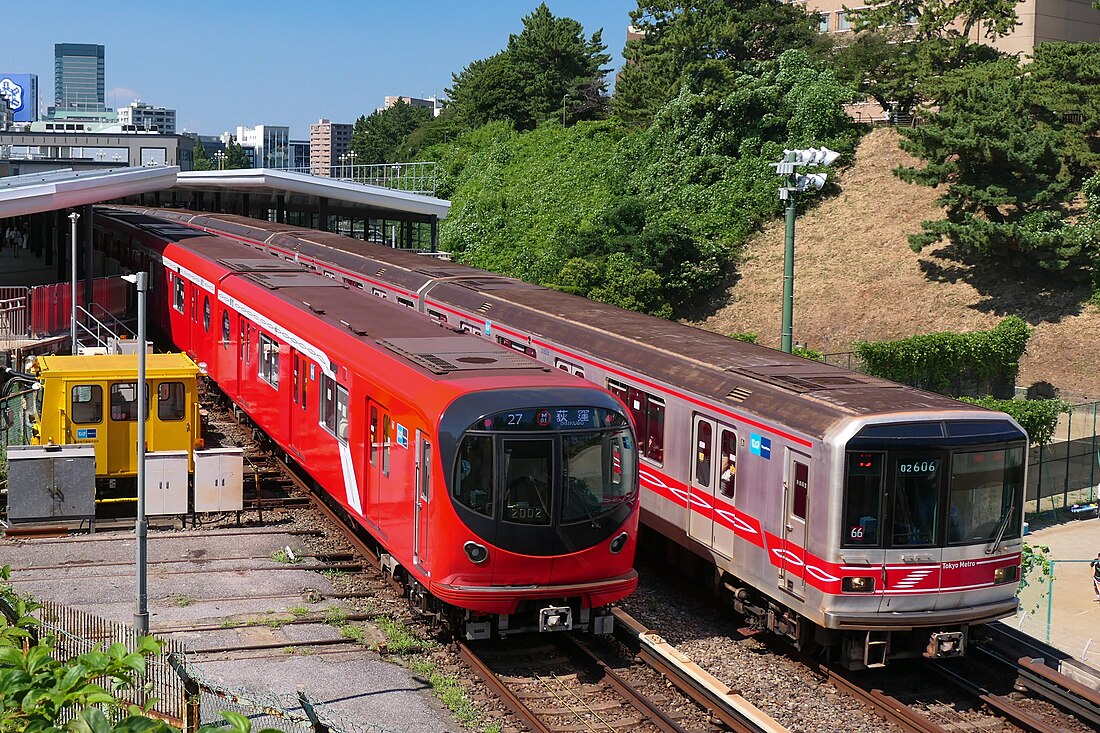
{"points": [[1096, 577]]}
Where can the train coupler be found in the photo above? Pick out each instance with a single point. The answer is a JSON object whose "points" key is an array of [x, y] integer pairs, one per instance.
{"points": [[945, 644], [556, 618]]}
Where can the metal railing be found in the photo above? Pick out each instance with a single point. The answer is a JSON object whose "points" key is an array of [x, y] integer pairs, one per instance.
{"points": [[15, 322], [101, 334], [419, 178]]}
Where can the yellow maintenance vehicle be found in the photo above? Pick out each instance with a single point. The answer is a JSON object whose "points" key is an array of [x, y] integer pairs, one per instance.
{"points": [[92, 400]]}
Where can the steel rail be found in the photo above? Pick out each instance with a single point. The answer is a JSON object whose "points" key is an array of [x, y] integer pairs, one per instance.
{"points": [[725, 704], [998, 703], [886, 707], [1068, 693], [493, 682]]}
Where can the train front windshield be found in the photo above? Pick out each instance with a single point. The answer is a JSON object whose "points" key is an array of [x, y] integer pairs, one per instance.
{"points": [[934, 484], [548, 467]]}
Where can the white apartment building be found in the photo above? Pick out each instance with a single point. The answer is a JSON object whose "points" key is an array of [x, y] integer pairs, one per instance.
{"points": [[270, 145], [141, 116]]}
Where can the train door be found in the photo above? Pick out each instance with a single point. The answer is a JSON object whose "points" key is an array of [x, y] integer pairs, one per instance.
{"points": [[796, 502], [420, 503], [377, 463], [299, 399], [712, 484], [244, 358], [226, 358], [914, 492], [122, 431]]}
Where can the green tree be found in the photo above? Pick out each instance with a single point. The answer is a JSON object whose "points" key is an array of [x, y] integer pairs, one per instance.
{"points": [[200, 160], [702, 46], [378, 138], [548, 65], [899, 43], [235, 157]]}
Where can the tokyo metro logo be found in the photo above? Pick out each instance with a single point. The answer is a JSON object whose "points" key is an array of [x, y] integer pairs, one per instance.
{"points": [[11, 92]]}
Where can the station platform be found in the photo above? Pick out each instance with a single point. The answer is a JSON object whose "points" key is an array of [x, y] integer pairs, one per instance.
{"points": [[1063, 611], [24, 269]]}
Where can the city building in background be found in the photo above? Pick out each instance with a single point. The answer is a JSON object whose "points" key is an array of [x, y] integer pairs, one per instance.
{"points": [[435, 105], [299, 156], [1040, 21], [328, 141], [141, 116], [268, 146], [33, 152], [78, 79], [20, 91]]}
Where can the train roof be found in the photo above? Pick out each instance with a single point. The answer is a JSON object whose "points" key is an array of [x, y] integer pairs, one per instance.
{"points": [[427, 346], [809, 395], [116, 366]]}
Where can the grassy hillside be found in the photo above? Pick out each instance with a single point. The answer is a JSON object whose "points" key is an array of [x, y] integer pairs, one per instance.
{"points": [[857, 279]]}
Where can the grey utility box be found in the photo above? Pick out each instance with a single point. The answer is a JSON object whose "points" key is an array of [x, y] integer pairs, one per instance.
{"points": [[166, 482], [51, 482], [219, 480]]}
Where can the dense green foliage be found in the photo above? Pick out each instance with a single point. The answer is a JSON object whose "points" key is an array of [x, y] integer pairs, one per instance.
{"points": [[380, 137], [235, 157], [1038, 417], [934, 361], [547, 70], [702, 47], [200, 161], [646, 219]]}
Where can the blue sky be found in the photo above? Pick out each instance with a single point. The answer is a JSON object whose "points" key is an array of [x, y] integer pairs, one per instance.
{"points": [[224, 63]]}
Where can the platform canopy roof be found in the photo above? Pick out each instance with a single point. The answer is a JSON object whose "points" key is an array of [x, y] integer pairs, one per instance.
{"points": [[34, 193], [271, 181]]}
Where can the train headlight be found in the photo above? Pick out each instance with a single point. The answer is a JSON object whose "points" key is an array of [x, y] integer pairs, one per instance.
{"points": [[477, 553], [1006, 575], [858, 585], [619, 543]]}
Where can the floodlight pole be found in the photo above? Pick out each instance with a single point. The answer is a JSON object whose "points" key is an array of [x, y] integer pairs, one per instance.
{"points": [[72, 294], [141, 528], [788, 258]]}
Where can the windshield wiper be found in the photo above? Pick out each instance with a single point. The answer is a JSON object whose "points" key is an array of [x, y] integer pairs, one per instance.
{"points": [[1001, 531]]}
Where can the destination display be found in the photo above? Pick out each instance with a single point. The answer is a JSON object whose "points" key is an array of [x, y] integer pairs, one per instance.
{"points": [[554, 418]]}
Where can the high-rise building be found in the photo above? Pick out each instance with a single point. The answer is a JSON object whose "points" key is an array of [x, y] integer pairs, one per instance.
{"points": [[78, 77], [328, 141], [142, 116], [270, 145]]}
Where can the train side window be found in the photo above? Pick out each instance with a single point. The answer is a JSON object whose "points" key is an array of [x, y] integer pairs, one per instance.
{"points": [[568, 366], [704, 463], [473, 477], [648, 412], [87, 404], [225, 329], [377, 292], [801, 489], [268, 369], [437, 316], [373, 435], [353, 283], [863, 500], [469, 328], [387, 426], [330, 275], [405, 302], [328, 403], [171, 401], [124, 401], [179, 294], [206, 314], [727, 478], [342, 413]]}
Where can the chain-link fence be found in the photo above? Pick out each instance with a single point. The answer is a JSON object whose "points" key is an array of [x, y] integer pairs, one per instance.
{"points": [[18, 414], [1051, 610]]}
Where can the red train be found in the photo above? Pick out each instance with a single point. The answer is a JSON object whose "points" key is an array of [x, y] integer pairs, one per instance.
{"points": [[503, 493], [858, 517]]}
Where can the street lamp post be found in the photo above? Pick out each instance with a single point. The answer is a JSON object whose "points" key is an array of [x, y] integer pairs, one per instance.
{"points": [[220, 157], [72, 294], [796, 182], [351, 164], [141, 526]]}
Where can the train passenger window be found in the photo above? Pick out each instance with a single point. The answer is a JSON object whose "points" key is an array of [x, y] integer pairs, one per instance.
{"points": [[985, 494], [353, 283], [916, 499], [124, 401], [570, 367], [171, 401], [405, 302], [473, 476], [387, 426], [268, 369], [703, 460], [87, 404], [206, 314], [527, 480], [727, 477], [373, 435], [379, 293], [342, 413], [648, 412], [179, 294], [862, 500], [328, 403], [801, 489], [437, 316], [225, 329]]}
